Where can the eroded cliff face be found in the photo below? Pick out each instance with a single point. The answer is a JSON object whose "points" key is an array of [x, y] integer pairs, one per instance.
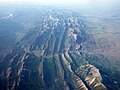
{"points": [[50, 57]]}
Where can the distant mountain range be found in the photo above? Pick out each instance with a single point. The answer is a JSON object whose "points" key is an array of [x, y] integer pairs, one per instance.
{"points": [[50, 49]]}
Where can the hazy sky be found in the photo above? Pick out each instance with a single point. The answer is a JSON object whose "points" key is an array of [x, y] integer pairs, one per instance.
{"points": [[59, 1], [70, 3], [48, 1]]}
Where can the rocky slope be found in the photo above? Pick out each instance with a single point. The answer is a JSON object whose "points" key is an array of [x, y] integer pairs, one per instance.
{"points": [[50, 57]]}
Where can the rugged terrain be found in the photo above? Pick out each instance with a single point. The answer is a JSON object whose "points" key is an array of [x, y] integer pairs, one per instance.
{"points": [[51, 53]]}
